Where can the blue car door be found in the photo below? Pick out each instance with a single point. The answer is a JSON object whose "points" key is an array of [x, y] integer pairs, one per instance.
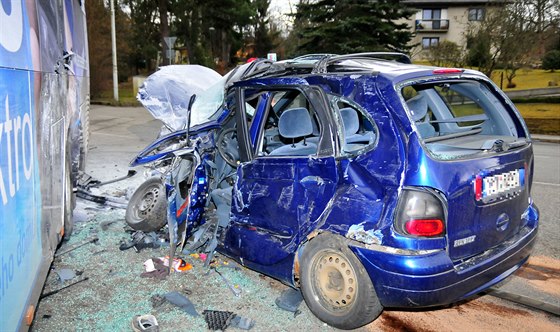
{"points": [[289, 177]]}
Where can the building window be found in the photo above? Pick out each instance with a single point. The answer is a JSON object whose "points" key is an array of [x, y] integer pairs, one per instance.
{"points": [[433, 15], [428, 42], [476, 14]]}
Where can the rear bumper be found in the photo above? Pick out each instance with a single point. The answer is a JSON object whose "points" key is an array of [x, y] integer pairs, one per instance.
{"points": [[422, 280]]}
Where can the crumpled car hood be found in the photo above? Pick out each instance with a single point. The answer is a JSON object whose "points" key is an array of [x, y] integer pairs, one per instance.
{"points": [[166, 93]]}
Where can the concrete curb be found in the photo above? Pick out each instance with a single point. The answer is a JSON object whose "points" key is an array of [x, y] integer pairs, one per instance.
{"points": [[546, 138]]}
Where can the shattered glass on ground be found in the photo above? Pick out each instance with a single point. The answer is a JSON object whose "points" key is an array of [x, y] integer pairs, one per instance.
{"points": [[115, 293]]}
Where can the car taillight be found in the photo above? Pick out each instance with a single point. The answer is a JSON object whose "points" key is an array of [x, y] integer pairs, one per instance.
{"points": [[478, 187], [424, 227], [420, 213]]}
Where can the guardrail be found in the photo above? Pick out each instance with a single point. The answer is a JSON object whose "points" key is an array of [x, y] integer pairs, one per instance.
{"points": [[533, 92]]}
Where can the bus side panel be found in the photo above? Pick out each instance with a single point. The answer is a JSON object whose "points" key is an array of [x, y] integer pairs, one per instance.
{"points": [[33, 138], [21, 256]]}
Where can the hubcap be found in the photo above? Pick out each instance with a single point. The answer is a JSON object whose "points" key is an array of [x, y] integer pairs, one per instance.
{"points": [[336, 280], [148, 201]]}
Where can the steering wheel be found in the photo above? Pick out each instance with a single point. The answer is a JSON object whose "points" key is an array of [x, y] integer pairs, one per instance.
{"points": [[228, 147]]}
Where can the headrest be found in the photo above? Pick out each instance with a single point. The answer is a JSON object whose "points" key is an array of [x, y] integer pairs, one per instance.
{"points": [[295, 122], [418, 106]]}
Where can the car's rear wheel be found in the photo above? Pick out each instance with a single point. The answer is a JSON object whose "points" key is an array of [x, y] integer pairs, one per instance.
{"points": [[147, 208], [335, 285]]}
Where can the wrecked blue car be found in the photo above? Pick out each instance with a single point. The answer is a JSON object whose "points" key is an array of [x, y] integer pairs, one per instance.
{"points": [[364, 180]]}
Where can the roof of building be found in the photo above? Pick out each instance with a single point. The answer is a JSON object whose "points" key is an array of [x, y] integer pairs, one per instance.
{"points": [[454, 3]]}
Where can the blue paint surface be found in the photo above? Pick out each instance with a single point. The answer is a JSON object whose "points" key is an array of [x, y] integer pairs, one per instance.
{"points": [[280, 202]]}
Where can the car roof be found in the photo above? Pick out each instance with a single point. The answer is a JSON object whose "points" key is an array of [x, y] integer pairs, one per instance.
{"points": [[393, 66]]}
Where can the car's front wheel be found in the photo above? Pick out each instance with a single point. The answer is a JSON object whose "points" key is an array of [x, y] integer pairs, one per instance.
{"points": [[147, 208], [335, 285]]}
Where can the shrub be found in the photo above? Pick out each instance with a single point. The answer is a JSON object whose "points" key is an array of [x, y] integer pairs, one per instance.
{"points": [[551, 60], [446, 53]]}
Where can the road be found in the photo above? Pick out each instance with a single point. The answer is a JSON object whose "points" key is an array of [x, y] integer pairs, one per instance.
{"points": [[115, 292], [546, 194]]}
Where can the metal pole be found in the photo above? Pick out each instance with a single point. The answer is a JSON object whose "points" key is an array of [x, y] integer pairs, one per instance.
{"points": [[114, 42]]}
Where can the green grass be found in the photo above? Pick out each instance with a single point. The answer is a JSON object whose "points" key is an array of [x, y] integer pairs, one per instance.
{"points": [[539, 111], [525, 79], [529, 79], [126, 96], [541, 118]]}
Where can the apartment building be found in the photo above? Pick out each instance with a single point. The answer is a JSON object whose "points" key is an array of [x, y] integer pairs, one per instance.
{"points": [[436, 21]]}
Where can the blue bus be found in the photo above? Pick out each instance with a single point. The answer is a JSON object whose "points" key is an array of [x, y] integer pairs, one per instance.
{"points": [[44, 105]]}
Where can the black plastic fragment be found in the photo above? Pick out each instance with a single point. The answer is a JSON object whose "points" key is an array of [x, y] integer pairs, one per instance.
{"points": [[218, 320], [289, 300]]}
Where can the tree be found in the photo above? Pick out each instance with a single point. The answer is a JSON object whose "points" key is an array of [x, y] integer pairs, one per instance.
{"points": [[348, 26], [446, 54], [264, 36], [502, 38], [143, 40], [543, 17], [100, 49], [164, 29]]}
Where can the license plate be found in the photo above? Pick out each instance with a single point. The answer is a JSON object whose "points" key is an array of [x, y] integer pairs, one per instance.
{"points": [[497, 185]]}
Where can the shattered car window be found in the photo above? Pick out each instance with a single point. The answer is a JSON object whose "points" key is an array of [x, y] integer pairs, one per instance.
{"points": [[358, 130], [291, 125], [166, 93], [207, 103], [458, 118]]}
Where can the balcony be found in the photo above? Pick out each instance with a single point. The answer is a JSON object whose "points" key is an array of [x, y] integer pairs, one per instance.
{"points": [[432, 25]]}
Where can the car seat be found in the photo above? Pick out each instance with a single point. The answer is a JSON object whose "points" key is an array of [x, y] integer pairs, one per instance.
{"points": [[418, 106], [295, 123]]}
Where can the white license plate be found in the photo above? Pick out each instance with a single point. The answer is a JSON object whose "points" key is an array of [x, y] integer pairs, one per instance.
{"points": [[501, 183]]}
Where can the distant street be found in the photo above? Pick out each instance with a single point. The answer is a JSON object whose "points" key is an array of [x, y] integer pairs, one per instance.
{"points": [[546, 194]]}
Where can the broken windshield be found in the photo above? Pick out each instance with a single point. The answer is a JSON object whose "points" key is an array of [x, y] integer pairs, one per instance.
{"points": [[166, 94], [456, 118]]}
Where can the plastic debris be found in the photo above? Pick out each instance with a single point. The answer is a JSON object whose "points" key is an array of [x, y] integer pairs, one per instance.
{"points": [[218, 320], [155, 268], [243, 323], [182, 302], [289, 300], [179, 264], [65, 274], [145, 323], [92, 239], [158, 267], [140, 241], [61, 288], [235, 289]]}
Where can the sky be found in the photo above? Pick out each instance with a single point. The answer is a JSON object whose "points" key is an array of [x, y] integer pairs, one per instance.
{"points": [[278, 10]]}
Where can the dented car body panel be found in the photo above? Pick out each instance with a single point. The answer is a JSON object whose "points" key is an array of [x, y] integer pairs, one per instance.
{"points": [[424, 174]]}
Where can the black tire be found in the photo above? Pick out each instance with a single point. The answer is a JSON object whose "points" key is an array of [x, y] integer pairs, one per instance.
{"points": [[335, 285], [84, 139], [147, 208], [69, 200]]}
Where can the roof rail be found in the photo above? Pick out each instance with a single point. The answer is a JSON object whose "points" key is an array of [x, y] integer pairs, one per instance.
{"points": [[321, 65]]}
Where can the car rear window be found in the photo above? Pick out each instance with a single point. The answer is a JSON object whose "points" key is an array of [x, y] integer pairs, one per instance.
{"points": [[458, 118]]}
